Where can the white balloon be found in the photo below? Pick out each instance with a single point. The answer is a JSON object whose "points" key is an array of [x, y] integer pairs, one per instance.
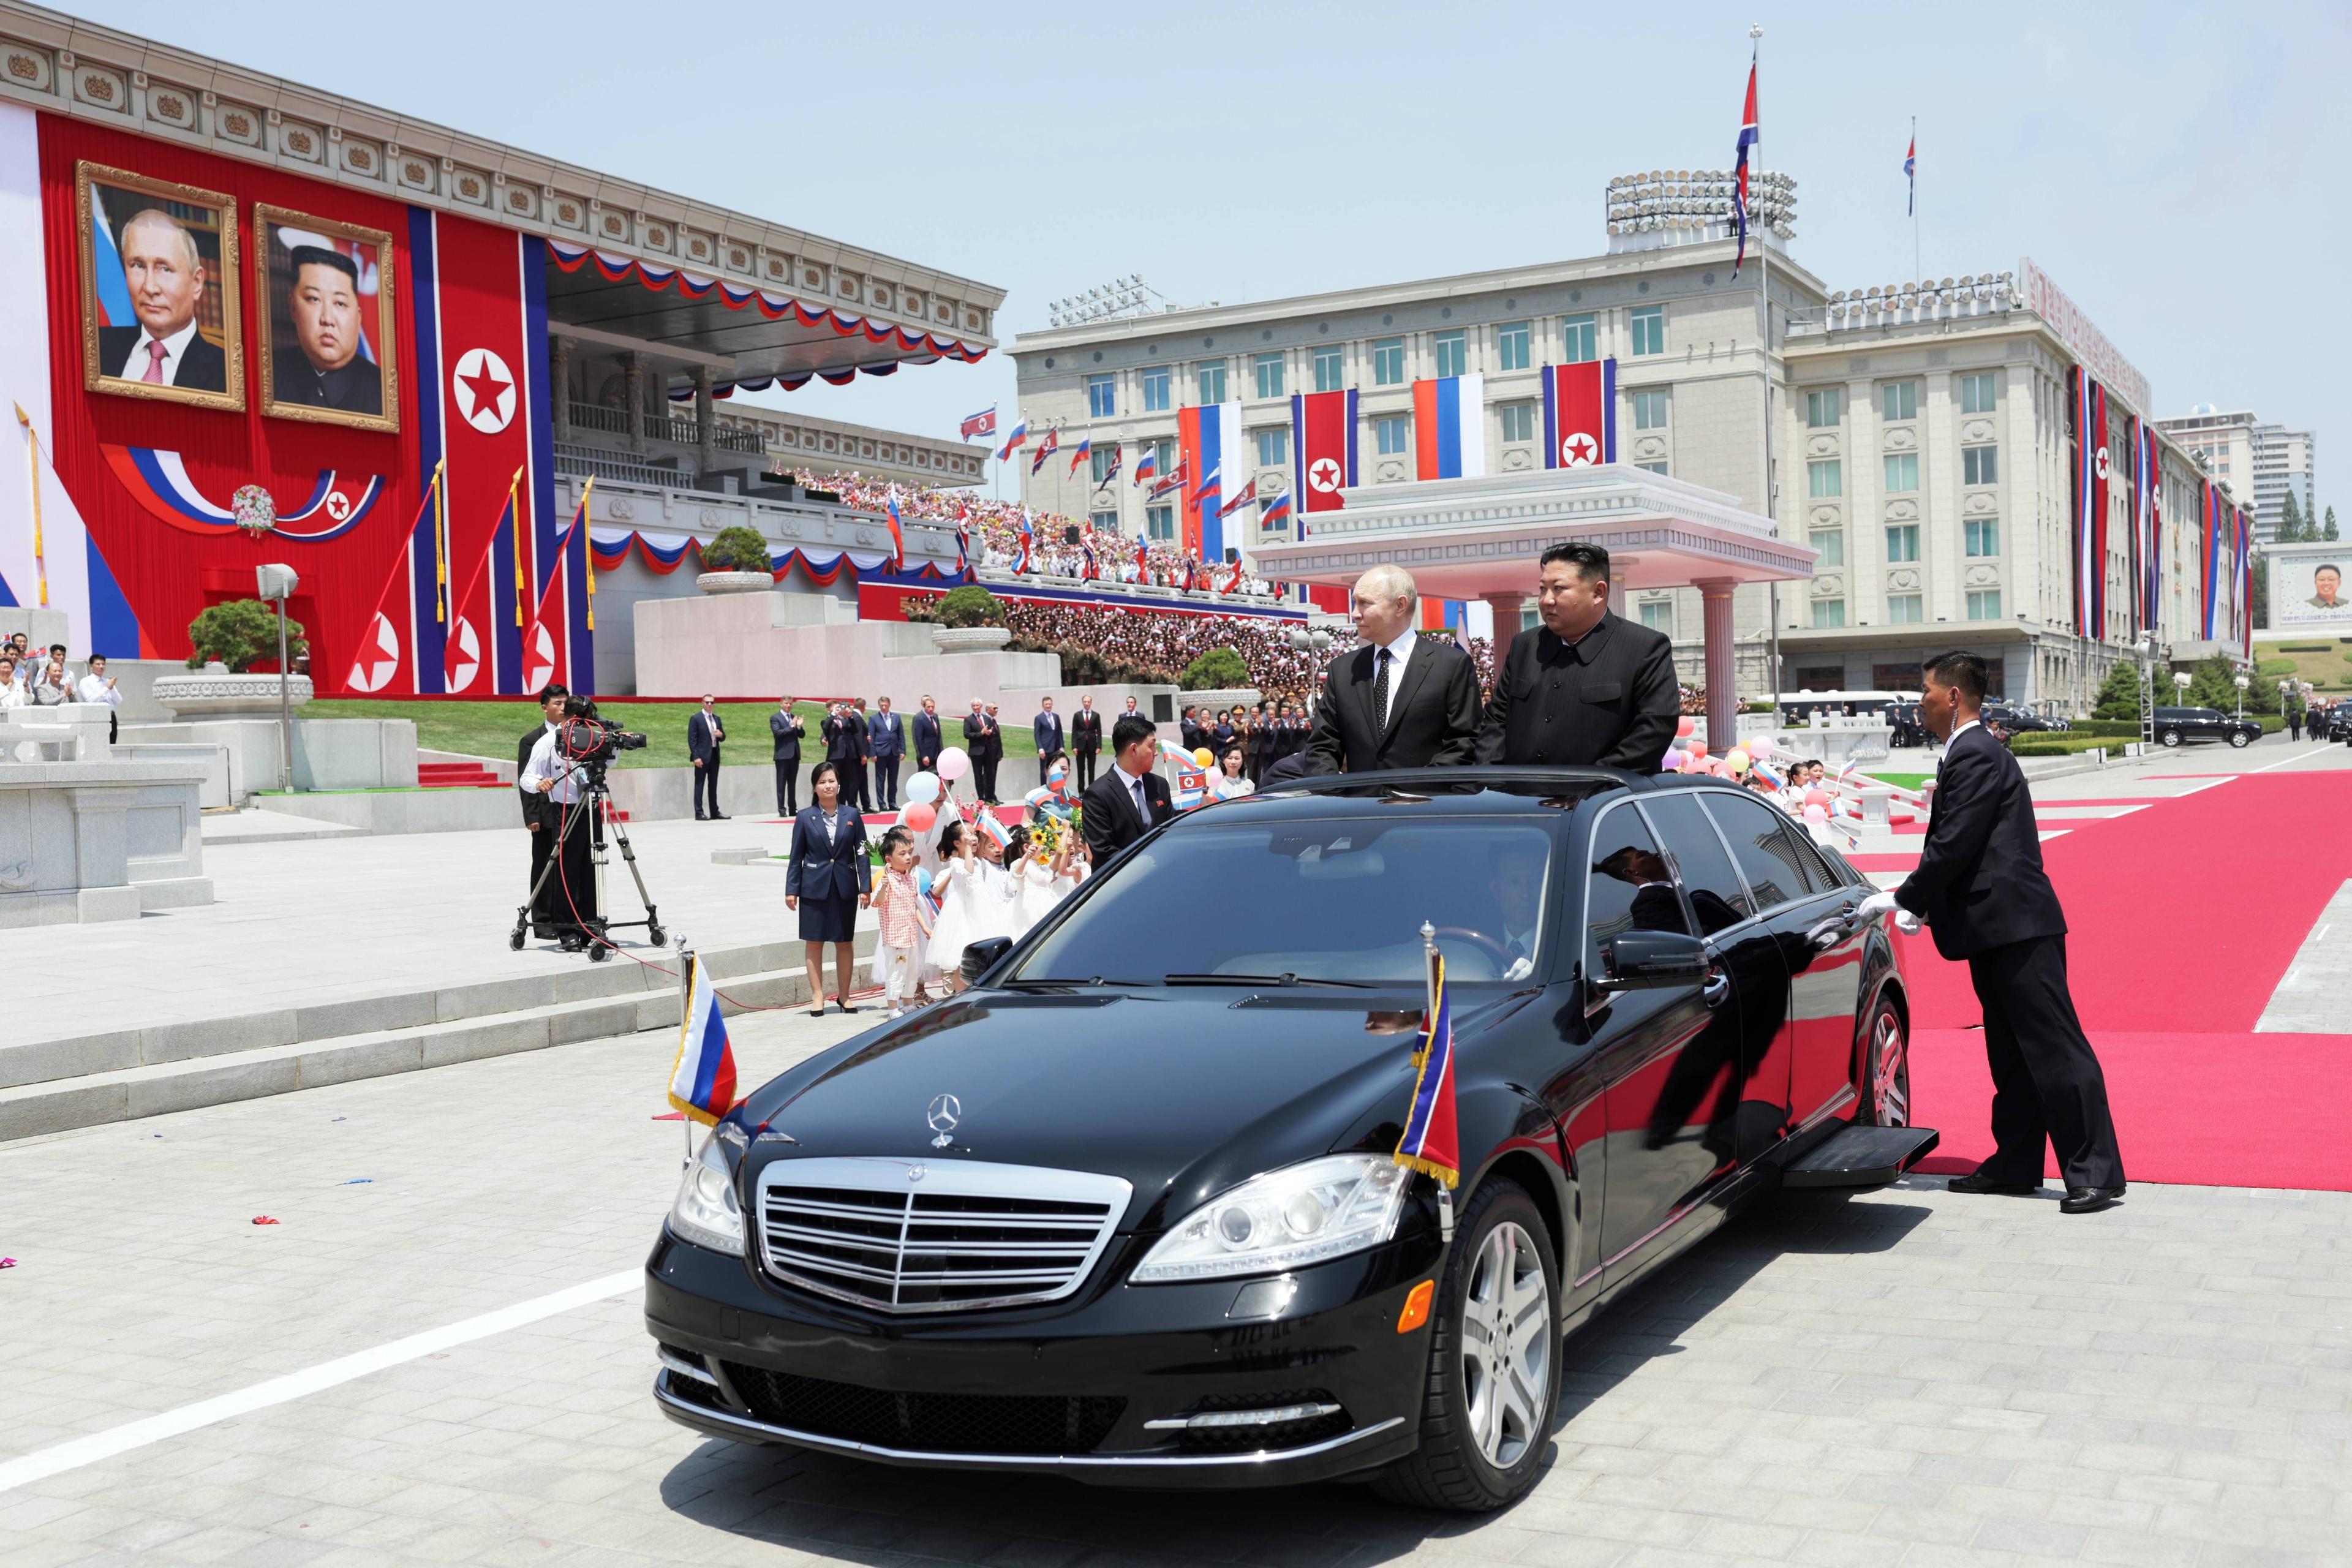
{"points": [[923, 788]]}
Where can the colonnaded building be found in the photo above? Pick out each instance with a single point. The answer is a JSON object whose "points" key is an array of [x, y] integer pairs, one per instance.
{"points": [[1921, 439]]}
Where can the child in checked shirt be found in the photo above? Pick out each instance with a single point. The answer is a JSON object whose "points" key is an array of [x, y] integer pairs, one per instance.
{"points": [[897, 954]]}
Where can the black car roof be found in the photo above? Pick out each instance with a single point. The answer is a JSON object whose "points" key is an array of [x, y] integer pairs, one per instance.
{"points": [[1499, 790]]}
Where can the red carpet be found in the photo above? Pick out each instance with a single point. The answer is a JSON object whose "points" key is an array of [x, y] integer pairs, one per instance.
{"points": [[2182, 918]]}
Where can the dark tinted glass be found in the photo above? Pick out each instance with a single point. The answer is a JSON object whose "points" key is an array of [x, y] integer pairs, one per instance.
{"points": [[1716, 894], [1629, 886], [1821, 872], [1766, 856]]}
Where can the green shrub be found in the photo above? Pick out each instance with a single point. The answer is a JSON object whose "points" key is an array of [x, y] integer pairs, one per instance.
{"points": [[2306, 647], [1219, 668], [970, 605], [2119, 696], [238, 633], [738, 549], [2126, 729]]}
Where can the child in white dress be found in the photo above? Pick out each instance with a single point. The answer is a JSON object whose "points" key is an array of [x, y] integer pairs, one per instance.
{"points": [[1045, 879], [975, 897]]}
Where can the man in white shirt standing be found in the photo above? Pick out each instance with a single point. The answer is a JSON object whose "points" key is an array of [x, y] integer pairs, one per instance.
{"points": [[99, 687], [567, 899], [164, 273]]}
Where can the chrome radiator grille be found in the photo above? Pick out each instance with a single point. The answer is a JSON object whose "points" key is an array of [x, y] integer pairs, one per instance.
{"points": [[908, 1236]]}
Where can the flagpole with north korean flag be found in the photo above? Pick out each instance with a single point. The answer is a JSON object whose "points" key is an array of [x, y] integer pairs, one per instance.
{"points": [[1752, 139]]}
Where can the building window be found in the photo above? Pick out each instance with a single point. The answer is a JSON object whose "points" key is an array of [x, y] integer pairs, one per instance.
{"points": [[1659, 616], [1511, 346], [1984, 604], [1388, 361], [1272, 447], [1979, 465], [1650, 329], [1824, 409], [1165, 455], [1899, 400], [1101, 460], [1331, 369], [1901, 472], [1652, 468], [1212, 383], [1905, 609], [1831, 543], [1982, 535], [1159, 521], [1105, 523], [1829, 614], [1518, 421], [1901, 542], [1825, 477], [1577, 340], [1650, 410], [1453, 353], [1269, 375], [1394, 434], [1155, 389], [1978, 392], [1102, 401]]}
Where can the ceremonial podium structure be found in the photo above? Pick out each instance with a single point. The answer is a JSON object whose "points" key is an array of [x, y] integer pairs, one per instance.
{"points": [[1481, 539]]}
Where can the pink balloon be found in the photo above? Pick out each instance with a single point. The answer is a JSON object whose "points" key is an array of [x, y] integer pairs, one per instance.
{"points": [[1696, 748], [920, 817], [1685, 725], [1816, 813], [954, 762], [1761, 746], [1817, 797]]}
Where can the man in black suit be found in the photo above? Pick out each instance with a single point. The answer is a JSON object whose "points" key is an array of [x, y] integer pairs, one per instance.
{"points": [[324, 367], [1401, 701], [886, 737], [926, 736], [788, 728], [1086, 742], [1047, 731], [1981, 886], [1588, 685], [535, 813], [845, 735], [1188, 728], [1131, 798], [703, 734], [164, 273], [984, 742]]}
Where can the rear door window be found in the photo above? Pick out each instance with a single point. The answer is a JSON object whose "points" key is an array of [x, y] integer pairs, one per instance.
{"points": [[1767, 857], [1717, 896], [1630, 887]]}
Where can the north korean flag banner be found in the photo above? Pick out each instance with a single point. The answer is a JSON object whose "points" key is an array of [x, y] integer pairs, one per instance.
{"points": [[2092, 468], [2245, 583], [1449, 427], [1323, 447], [1580, 413], [2151, 469], [2209, 512]]}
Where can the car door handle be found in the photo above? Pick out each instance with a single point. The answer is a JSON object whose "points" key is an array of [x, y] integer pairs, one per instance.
{"points": [[1717, 989], [1830, 933]]}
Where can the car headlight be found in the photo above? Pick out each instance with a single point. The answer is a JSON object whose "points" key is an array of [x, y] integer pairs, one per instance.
{"points": [[1302, 1213], [706, 1212]]}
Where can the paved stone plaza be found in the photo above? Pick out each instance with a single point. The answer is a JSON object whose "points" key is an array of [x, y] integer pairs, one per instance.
{"points": [[1902, 1377]]}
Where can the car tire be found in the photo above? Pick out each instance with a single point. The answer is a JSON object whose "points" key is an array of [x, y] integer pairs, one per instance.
{"points": [[1886, 1086], [2238, 739], [2167, 738], [1502, 1253]]}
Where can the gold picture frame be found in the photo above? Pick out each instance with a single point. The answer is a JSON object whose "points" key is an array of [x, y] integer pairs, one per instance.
{"points": [[340, 396], [212, 356]]}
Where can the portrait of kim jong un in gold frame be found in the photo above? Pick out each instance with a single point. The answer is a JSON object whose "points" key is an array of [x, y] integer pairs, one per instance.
{"points": [[159, 289], [326, 320]]}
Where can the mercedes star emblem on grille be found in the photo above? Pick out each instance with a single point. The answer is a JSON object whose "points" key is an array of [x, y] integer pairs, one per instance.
{"points": [[945, 1111]]}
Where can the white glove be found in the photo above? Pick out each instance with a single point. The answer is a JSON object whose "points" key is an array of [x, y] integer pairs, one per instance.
{"points": [[1879, 903], [1909, 923]]}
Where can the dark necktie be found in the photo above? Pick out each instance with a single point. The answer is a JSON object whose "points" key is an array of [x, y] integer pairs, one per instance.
{"points": [[1142, 804], [1380, 695]]}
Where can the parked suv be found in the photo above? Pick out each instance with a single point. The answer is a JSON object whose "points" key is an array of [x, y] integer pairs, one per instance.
{"points": [[2175, 725], [2020, 721]]}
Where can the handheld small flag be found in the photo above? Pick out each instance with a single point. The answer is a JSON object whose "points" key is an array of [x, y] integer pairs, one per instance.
{"points": [[1740, 194], [898, 535], [964, 543], [1028, 543], [702, 1081], [1431, 1145], [926, 902]]}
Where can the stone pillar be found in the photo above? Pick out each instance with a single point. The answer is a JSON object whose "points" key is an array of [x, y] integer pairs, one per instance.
{"points": [[559, 357], [1722, 670], [634, 363], [706, 423], [1507, 609]]}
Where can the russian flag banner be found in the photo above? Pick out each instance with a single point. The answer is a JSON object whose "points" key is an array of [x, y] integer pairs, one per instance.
{"points": [[1323, 447], [1209, 442], [1580, 413], [1449, 427]]}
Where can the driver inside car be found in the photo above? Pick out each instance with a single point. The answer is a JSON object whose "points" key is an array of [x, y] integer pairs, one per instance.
{"points": [[1516, 883]]}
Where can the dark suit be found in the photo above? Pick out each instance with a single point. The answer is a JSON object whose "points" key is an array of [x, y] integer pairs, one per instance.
{"points": [[844, 748], [1981, 887], [788, 730], [1086, 740], [984, 741], [1432, 719], [1111, 822], [1608, 698], [827, 875], [201, 366], [1047, 731], [885, 737], [535, 813], [355, 387], [926, 740], [703, 736]]}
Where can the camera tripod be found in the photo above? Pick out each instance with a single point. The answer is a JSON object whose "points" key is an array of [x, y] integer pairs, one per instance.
{"points": [[595, 795]]}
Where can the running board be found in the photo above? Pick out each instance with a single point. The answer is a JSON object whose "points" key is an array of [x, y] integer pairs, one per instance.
{"points": [[1861, 1157]]}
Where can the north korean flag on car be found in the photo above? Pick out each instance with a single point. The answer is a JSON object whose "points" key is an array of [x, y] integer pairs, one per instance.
{"points": [[1580, 413], [1323, 447], [1431, 1143]]}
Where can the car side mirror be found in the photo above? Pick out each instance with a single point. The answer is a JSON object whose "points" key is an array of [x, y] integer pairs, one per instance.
{"points": [[980, 957], [1653, 959]]}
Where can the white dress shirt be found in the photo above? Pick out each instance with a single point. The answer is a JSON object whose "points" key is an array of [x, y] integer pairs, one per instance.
{"points": [[135, 367], [95, 689], [544, 765], [1133, 784], [1971, 724], [1400, 651]]}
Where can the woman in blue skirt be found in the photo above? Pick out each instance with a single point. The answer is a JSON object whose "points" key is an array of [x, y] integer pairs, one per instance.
{"points": [[828, 882]]}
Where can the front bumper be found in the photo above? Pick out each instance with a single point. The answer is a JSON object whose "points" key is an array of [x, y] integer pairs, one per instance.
{"points": [[1087, 1388]]}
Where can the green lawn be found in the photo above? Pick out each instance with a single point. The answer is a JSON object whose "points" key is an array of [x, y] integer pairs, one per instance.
{"points": [[491, 729], [1904, 780], [2329, 670]]}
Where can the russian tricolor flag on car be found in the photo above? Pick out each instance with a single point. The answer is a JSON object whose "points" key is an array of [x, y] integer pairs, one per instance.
{"points": [[1449, 427], [702, 1080], [1580, 413]]}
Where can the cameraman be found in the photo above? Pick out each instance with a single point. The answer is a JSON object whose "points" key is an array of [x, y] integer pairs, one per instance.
{"points": [[534, 815], [567, 900]]}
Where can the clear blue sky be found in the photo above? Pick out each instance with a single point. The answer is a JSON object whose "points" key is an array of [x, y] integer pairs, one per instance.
{"points": [[2180, 170]]}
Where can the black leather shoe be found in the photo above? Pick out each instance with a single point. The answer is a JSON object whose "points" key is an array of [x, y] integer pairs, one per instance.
{"points": [[2088, 1200], [1978, 1182], [699, 817], [718, 816]]}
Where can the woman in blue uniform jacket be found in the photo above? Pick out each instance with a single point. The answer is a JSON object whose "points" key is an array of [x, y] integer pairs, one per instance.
{"points": [[828, 882]]}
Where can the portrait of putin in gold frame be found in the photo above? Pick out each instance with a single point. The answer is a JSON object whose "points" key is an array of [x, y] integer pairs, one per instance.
{"points": [[160, 316], [326, 320]]}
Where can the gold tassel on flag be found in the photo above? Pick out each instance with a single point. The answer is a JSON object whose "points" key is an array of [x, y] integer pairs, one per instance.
{"points": [[514, 511], [588, 552], [33, 472], [440, 543]]}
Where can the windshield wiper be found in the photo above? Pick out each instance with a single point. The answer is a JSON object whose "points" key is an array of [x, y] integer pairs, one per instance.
{"points": [[1026, 983], [1265, 980]]}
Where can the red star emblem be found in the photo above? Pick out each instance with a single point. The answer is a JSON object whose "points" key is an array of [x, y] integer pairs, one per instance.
{"points": [[485, 386]]}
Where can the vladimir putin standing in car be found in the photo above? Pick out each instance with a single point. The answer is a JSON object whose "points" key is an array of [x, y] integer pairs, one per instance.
{"points": [[1586, 688], [1401, 701]]}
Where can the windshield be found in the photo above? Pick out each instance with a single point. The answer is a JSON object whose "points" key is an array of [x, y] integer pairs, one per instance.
{"points": [[1339, 900]]}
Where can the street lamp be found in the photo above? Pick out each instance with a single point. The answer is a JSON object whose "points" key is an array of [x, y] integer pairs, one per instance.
{"points": [[276, 585], [2242, 684], [2181, 680]]}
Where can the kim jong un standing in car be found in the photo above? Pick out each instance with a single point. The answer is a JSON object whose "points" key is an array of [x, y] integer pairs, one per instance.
{"points": [[1586, 688]]}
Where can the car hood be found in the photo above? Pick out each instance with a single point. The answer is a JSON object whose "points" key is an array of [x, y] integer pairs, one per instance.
{"points": [[1180, 1092]]}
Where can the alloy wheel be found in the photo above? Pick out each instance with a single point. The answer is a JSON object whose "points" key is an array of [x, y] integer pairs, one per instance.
{"points": [[1890, 1072], [1506, 1345]]}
